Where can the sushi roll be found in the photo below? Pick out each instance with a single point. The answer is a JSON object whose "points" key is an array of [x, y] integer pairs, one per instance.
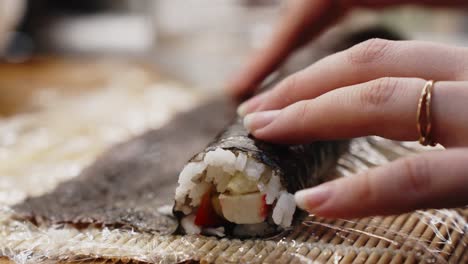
{"points": [[244, 187]]}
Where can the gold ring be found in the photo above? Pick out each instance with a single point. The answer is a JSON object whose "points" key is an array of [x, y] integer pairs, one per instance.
{"points": [[424, 122]]}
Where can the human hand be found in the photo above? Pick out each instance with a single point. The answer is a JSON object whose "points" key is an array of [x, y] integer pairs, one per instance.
{"points": [[301, 22], [350, 94]]}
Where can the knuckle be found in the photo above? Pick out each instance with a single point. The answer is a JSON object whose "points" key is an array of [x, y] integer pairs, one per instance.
{"points": [[417, 178], [379, 92], [301, 112], [368, 51], [283, 93]]}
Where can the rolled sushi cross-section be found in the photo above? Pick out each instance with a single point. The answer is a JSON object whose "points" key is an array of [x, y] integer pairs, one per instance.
{"points": [[228, 187], [244, 187]]}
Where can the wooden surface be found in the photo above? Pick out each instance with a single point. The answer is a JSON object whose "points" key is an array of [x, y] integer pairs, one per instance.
{"points": [[19, 81]]}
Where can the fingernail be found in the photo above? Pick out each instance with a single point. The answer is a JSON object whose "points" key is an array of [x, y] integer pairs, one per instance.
{"points": [[259, 120], [310, 199], [242, 109], [250, 105]]}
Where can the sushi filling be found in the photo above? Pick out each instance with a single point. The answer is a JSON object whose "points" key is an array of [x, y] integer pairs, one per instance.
{"points": [[231, 188]]}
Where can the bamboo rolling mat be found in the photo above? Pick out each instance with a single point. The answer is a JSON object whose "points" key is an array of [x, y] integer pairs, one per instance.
{"points": [[421, 237]]}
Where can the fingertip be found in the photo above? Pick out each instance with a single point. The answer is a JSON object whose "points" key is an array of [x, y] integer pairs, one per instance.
{"points": [[251, 105], [312, 199], [242, 109], [301, 197], [247, 122], [259, 120]]}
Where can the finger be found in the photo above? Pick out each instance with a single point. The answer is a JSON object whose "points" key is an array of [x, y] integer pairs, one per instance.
{"points": [[385, 107], [430, 180], [367, 61], [303, 20]]}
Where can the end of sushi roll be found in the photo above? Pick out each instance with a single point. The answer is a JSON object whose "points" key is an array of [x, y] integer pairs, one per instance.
{"points": [[233, 191]]}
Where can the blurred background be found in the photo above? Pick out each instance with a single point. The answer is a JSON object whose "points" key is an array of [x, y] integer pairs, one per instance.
{"points": [[77, 77], [198, 41]]}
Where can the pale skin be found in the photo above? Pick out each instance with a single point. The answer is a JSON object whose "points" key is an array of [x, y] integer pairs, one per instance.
{"points": [[370, 89]]}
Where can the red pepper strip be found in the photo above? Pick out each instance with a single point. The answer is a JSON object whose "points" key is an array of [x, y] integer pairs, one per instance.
{"points": [[265, 208], [206, 215]]}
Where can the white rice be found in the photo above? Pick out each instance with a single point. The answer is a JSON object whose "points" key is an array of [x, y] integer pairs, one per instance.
{"points": [[221, 158], [185, 179], [214, 231], [165, 210], [284, 209], [254, 169], [241, 161], [188, 223], [271, 189]]}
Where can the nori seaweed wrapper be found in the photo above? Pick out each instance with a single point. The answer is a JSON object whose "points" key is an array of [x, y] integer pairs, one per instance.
{"points": [[298, 166]]}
